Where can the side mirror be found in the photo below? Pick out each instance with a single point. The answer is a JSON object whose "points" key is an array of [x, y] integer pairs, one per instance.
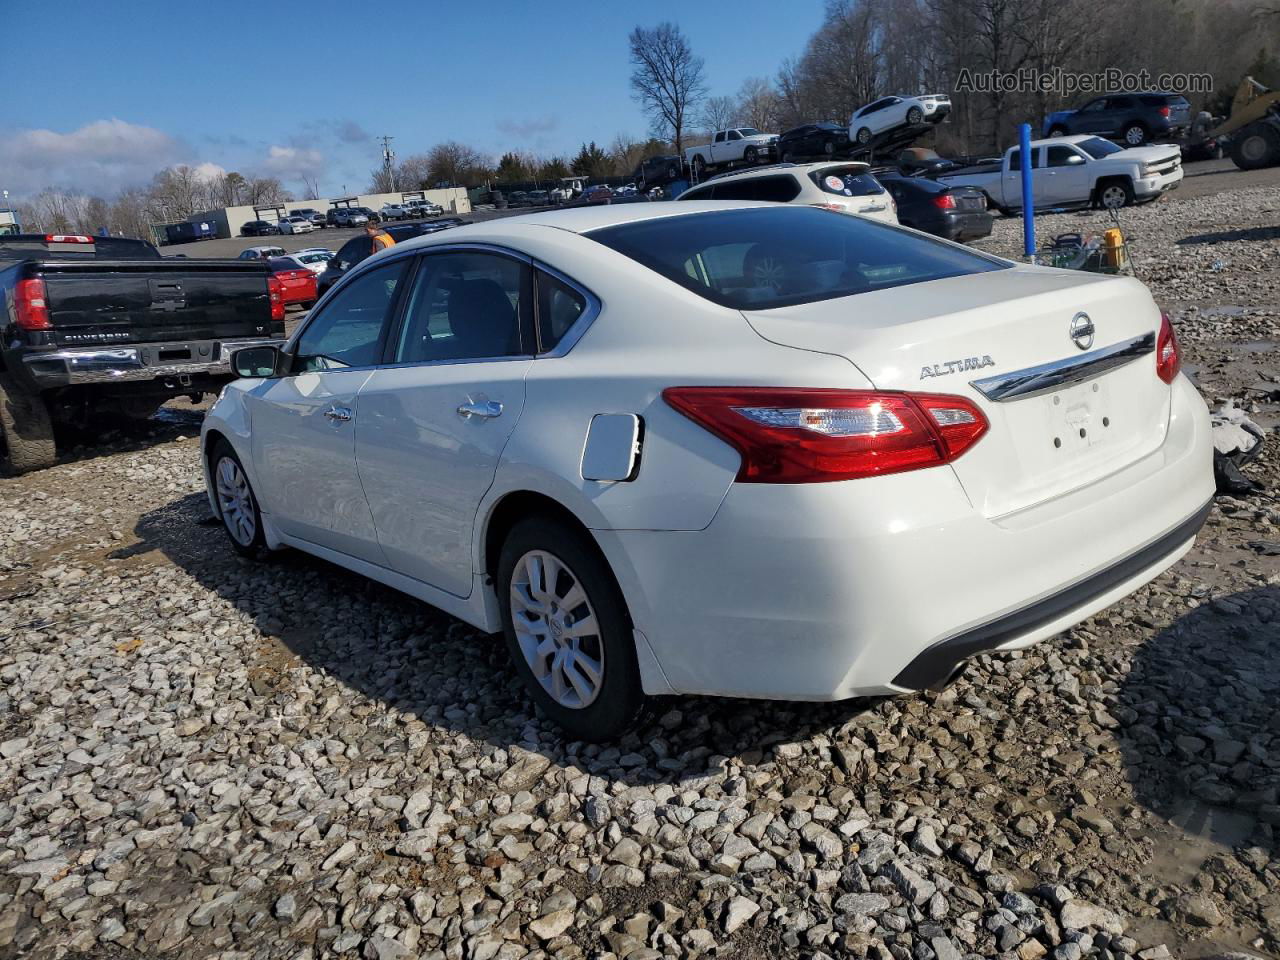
{"points": [[256, 361]]}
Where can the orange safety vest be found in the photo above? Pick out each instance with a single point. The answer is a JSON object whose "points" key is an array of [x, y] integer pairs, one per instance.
{"points": [[382, 240]]}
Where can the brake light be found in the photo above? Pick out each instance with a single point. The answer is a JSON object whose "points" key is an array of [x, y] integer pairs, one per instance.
{"points": [[275, 292], [837, 207], [66, 238], [1165, 111], [32, 305], [1168, 357], [944, 201], [790, 435]]}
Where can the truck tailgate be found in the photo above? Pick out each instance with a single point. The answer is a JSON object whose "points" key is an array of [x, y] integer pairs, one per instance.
{"points": [[146, 301]]}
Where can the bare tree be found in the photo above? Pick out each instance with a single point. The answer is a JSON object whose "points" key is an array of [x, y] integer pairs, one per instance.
{"points": [[415, 171], [456, 164], [383, 179], [719, 113], [667, 79], [758, 104], [311, 187]]}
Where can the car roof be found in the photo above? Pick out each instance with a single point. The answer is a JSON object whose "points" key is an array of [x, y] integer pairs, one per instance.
{"points": [[1074, 138], [774, 168]]}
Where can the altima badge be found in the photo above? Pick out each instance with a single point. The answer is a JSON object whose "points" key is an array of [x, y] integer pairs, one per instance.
{"points": [[1081, 330], [956, 366]]}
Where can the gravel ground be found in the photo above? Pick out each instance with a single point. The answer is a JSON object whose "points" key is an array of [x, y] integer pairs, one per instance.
{"points": [[204, 757]]}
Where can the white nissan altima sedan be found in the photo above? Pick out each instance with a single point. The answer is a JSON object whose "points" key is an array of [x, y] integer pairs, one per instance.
{"points": [[751, 450]]}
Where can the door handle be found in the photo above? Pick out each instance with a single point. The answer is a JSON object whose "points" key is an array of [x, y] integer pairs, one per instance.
{"points": [[486, 409], [338, 414]]}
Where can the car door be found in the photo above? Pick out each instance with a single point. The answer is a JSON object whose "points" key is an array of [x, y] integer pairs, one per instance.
{"points": [[718, 147], [1118, 112], [1065, 176], [1091, 118], [1011, 179], [303, 423], [434, 420], [892, 113]]}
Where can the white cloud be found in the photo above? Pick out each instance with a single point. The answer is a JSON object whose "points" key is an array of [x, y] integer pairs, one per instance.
{"points": [[209, 171], [294, 162], [100, 157]]}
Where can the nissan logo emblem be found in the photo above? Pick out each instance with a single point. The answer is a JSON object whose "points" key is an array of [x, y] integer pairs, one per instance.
{"points": [[1081, 331]]}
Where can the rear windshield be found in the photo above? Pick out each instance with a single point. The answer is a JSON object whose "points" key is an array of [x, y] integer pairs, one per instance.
{"points": [[846, 183], [278, 264], [27, 246], [314, 257], [1098, 148], [1163, 99], [760, 258]]}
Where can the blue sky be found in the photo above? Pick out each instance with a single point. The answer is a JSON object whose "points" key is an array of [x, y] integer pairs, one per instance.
{"points": [[128, 88]]}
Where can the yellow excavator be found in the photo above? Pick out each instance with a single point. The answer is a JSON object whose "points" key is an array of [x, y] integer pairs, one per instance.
{"points": [[1253, 128]]}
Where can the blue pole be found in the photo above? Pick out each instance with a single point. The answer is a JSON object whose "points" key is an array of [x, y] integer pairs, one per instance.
{"points": [[1028, 205]]}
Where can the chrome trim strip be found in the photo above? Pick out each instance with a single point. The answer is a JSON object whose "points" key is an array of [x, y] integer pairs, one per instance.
{"points": [[1047, 377]]}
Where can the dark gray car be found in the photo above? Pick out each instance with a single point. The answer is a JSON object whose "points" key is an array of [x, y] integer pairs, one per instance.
{"points": [[1129, 118]]}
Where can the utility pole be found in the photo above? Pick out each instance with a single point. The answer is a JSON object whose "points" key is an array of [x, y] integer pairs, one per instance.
{"points": [[388, 161]]}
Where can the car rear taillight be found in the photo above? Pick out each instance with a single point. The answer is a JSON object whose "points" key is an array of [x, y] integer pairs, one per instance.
{"points": [[1168, 358], [275, 292], [32, 305], [789, 435], [66, 238], [1165, 111], [944, 201]]}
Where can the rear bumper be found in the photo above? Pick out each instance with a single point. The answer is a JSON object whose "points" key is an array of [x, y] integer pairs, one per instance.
{"points": [[938, 663], [965, 226], [828, 591], [152, 361]]}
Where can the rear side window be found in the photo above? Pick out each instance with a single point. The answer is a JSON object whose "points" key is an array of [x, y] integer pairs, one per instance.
{"points": [[846, 184], [767, 257], [559, 307], [775, 189], [697, 193]]}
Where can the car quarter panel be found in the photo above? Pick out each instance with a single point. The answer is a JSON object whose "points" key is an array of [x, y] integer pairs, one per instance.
{"points": [[650, 334]]}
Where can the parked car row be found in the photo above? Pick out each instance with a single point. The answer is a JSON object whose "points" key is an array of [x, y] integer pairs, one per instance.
{"points": [[306, 219], [360, 248]]}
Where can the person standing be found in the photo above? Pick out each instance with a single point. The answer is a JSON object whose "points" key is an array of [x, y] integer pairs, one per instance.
{"points": [[380, 238]]}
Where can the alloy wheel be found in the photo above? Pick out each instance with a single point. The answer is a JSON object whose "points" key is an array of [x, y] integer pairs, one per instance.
{"points": [[235, 502], [557, 630], [1134, 136], [1113, 197]]}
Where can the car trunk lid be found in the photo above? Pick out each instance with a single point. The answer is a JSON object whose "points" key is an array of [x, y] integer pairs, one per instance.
{"points": [[946, 335]]}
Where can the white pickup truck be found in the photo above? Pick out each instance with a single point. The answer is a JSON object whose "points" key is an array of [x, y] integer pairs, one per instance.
{"points": [[741, 144], [1077, 171]]}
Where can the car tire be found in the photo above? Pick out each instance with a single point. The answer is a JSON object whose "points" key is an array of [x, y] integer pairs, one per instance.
{"points": [[1135, 135], [699, 166], [750, 155], [1057, 131], [915, 116], [1114, 194], [27, 428], [829, 148], [236, 501], [786, 157], [558, 667], [864, 135]]}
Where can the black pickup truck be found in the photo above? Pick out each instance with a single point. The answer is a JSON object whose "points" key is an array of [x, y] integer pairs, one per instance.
{"points": [[96, 326]]}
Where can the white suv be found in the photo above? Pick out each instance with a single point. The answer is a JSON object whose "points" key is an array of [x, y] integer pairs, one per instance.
{"points": [[843, 186]]}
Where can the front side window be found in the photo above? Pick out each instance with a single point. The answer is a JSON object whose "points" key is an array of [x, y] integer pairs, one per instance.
{"points": [[1015, 159], [767, 257], [466, 306], [1063, 157], [734, 135], [348, 331]]}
